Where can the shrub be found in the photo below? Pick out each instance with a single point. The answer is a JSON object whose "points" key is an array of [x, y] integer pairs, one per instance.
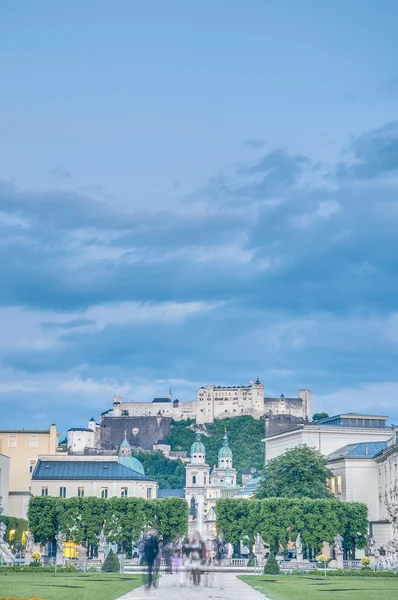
{"points": [[35, 564], [271, 566], [36, 557], [365, 562], [111, 563]]}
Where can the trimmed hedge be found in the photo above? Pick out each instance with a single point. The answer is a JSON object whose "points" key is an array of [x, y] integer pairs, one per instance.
{"points": [[13, 523], [111, 563], [271, 566]]}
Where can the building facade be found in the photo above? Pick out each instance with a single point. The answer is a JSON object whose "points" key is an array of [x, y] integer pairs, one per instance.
{"points": [[218, 402], [100, 476], [23, 447], [4, 483], [328, 435], [368, 472]]}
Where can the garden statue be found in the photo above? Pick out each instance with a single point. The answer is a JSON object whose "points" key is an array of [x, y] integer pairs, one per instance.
{"points": [[338, 545], [29, 541], [60, 538], [299, 548], [101, 545], [371, 545], [28, 547]]}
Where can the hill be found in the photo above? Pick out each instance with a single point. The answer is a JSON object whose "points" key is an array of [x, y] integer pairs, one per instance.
{"points": [[244, 433]]}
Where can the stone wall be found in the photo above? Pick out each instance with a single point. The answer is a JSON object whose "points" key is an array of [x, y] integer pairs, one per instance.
{"points": [[141, 432]]}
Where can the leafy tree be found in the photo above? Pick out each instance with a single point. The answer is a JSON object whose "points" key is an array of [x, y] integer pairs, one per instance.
{"points": [[168, 472], [82, 519], [111, 563], [271, 567], [301, 472], [279, 520], [319, 416]]}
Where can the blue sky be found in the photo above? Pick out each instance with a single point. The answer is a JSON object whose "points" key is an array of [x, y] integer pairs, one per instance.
{"points": [[195, 193]]}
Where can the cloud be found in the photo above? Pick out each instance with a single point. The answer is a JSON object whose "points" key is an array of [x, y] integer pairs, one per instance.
{"points": [[283, 268], [254, 143], [374, 154]]}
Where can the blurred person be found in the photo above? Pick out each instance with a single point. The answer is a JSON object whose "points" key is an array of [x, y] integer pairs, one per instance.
{"points": [[197, 556], [151, 553]]}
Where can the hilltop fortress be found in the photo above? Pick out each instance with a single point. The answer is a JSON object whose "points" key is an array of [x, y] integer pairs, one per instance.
{"points": [[218, 402]]}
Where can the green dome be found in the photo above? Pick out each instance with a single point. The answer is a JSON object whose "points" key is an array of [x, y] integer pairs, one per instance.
{"points": [[225, 451], [132, 463], [198, 445]]}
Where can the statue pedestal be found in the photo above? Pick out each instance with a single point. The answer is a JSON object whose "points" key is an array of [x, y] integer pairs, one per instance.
{"points": [[339, 560], [299, 557], [101, 555], [60, 558], [121, 558], [28, 558]]}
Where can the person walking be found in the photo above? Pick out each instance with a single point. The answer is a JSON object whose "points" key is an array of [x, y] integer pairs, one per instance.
{"points": [[197, 556], [151, 551]]}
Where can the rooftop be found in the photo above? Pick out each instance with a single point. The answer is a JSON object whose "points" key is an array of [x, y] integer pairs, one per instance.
{"points": [[85, 470], [161, 400], [360, 450], [80, 429]]}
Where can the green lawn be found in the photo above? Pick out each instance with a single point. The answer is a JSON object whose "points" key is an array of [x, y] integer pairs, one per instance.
{"points": [[312, 587], [82, 586]]}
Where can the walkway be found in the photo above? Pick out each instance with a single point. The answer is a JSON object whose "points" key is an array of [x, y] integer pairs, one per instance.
{"points": [[225, 586]]}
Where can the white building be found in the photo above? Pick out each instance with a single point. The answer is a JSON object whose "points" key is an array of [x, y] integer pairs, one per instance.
{"points": [[328, 435], [101, 476], [218, 402], [368, 472], [4, 483]]}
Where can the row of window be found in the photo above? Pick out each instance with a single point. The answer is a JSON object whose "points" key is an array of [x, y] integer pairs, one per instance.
{"points": [[33, 441], [335, 484], [104, 492]]}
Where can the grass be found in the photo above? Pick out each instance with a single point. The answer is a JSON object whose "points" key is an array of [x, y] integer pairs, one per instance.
{"points": [[82, 586], [312, 587]]}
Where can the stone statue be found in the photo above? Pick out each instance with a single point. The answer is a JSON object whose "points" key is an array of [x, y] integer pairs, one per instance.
{"points": [[29, 541], [371, 545], [3, 529], [338, 544], [101, 541], [392, 510], [299, 545], [60, 539], [258, 545]]}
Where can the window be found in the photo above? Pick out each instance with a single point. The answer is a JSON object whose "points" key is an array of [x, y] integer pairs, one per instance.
{"points": [[62, 492], [339, 484], [33, 441], [124, 492], [149, 493], [104, 492], [80, 492], [12, 441], [333, 485], [44, 491], [193, 478], [31, 465], [204, 479]]}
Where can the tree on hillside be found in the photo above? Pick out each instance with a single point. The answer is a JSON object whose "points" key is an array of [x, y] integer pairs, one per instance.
{"points": [[319, 416], [244, 435], [301, 472]]}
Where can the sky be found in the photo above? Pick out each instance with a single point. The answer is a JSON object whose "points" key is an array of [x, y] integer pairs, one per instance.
{"points": [[197, 193]]}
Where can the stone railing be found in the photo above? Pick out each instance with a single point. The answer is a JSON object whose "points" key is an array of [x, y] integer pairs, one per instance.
{"points": [[352, 564]]}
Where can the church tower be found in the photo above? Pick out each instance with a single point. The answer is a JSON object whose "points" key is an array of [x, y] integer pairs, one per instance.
{"points": [[224, 473], [196, 471]]}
